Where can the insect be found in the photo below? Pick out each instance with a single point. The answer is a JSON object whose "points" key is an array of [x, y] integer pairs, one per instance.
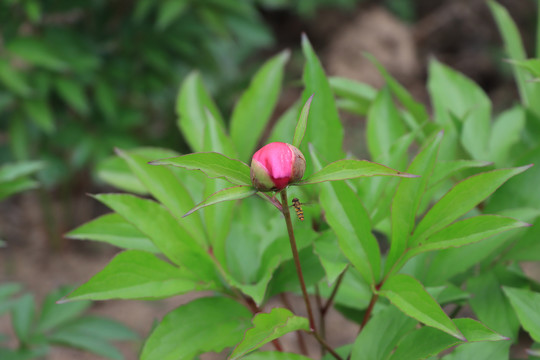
{"points": [[298, 208]]}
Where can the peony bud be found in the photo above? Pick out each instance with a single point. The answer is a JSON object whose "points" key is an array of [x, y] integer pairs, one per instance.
{"points": [[277, 165]]}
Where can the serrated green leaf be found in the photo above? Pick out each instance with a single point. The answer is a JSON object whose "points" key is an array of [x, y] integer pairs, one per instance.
{"points": [[191, 105], [115, 230], [256, 105], [407, 199], [350, 169], [214, 165], [228, 194], [268, 327], [526, 304], [135, 274], [409, 295], [462, 198], [162, 183], [165, 231], [178, 336]]}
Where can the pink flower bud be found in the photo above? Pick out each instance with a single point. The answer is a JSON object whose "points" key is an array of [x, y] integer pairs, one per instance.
{"points": [[277, 165]]}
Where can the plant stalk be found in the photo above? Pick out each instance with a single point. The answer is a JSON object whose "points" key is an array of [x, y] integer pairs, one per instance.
{"points": [[287, 214], [299, 333]]}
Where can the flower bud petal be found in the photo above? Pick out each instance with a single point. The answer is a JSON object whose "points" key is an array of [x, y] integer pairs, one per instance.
{"points": [[276, 165]]}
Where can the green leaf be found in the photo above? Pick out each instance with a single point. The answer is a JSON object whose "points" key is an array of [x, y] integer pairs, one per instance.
{"points": [[16, 186], [301, 126], [325, 131], [228, 194], [39, 111], [417, 110], [466, 232], [256, 105], [286, 125], [332, 259], [99, 327], [499, 350], [274, 355], [162, 183], [384, 125], [526, 304], [106, 99], [178, 336], [514, 48], [191, 105], [268, 327], [115, 230], [348, 218], [355, 97], [408, 197], [37, 52], [350, 169], [169, 11], [81, 340], [455, 96], [216, 138], [409, 295], [490, 305], [531, 65], [381, 334], [505, 133], [54, 315], [135, 274], [169, 236], [426, 341], [445, 169], [13, 80], [462, 198], [213, 165], [73, 94], [22, 317], [9, 172]]}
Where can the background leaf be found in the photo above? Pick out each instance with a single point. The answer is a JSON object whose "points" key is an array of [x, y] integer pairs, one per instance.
{"points": [[221, 320], [268, 327]]}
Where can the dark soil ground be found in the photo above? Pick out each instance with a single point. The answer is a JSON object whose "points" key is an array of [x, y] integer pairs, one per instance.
{"points": [[461, 33]]}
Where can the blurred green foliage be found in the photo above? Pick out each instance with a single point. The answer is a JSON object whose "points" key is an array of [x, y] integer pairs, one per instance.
{"points": [[38, 328], [78, 78]]}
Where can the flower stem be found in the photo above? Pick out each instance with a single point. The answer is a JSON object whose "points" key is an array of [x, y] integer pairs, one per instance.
{"points": [[287, 214]]}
